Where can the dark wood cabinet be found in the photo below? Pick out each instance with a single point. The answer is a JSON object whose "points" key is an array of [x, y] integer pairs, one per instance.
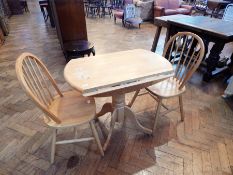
{"points": [[15, 7], [69, 19], [2, 38]]}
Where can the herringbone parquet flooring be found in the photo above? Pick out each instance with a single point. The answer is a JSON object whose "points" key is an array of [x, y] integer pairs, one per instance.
{"points": [[202, 144]]}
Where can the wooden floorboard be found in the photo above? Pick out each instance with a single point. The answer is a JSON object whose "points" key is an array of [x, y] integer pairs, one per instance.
{"points": [[202, 144]]}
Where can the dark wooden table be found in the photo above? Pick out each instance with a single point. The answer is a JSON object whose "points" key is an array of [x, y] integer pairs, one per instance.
{"points": [[209, 29]]}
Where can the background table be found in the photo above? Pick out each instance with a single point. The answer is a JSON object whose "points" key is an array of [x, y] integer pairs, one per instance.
{"points": [[209, 29], [115, 75], [215, 6]]}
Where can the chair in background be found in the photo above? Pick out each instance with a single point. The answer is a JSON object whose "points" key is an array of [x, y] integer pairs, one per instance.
{"points": [[170, 7], [185, 51], [93, 7], [200, 6], [24, 5], [117, 4], [44, 8], [106, 8], [228, 13], [61, 110], [119, 12], [146, 8], [130, 17], [215, 8]]}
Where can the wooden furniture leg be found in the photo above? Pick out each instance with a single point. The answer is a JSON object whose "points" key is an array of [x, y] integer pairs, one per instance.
{"points": [[133, 99], [181, 108], [157, 113], [107, 107], [213, 59], [120, 112], [118, 102], [53, 145], [156, 38], [130, 113], [75, 132], [168, 35], [95, 134], [112, 124]]}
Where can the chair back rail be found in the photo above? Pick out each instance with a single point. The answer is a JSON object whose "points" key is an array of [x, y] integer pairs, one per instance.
{"points": [[37, 82], [129, 11], [228, 13], [185, 51]]}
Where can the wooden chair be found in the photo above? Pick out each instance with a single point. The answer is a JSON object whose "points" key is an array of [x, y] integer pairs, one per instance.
{"points": [[61, 110], [185, 51]]}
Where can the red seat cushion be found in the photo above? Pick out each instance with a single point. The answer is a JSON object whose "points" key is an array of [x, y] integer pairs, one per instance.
{"points": [[183, 11], [177, 11], [170, 12], [119, 14]]}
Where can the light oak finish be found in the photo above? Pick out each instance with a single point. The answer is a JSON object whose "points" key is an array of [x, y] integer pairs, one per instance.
{"points": [[115, 73], [185, 51], [64, 110]]}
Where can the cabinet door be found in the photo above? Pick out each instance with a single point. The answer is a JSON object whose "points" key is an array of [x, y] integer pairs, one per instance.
{"points": [[70, 19], [2, 38], [15, 7]]}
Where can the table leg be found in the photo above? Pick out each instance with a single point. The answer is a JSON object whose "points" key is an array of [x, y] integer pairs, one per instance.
{"points": [[156, 38], [107, 107], [49, 10], [118, 102], [120, 112], [231, 64], [130, 113], [93, 51], [213, 59], [206, 44], [43, 12], [168, 35]]}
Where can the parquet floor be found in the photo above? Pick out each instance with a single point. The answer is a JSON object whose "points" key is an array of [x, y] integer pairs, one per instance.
{"points": [[202, 144]]}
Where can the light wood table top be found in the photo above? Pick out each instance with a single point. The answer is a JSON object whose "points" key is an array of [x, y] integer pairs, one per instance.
{"points": [[116, 71]]}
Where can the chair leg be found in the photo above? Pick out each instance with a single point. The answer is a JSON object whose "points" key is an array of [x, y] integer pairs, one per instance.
{"points": [[157, 114], [114, 19], [75, 132], [53, 145], [181, 108], [133, 99], [95, 134], [123, 22]]}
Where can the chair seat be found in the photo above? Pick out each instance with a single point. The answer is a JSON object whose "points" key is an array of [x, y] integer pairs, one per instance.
{"points": [[176, 11], [72, 109], [119, 14], [183, 11], [166, 89], [134, 20]]}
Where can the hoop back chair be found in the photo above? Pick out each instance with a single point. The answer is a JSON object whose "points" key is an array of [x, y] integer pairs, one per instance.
{"points": [[185, 51], [62, 110], [130, 15], [228, 13]]}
